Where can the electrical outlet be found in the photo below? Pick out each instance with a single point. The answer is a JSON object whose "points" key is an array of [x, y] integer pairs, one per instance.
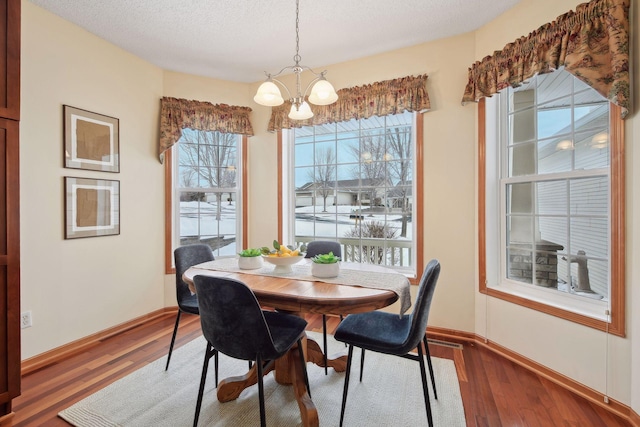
{"points": [[25, 319]]}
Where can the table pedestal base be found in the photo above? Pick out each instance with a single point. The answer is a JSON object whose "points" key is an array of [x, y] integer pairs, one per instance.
{"points": [[289, 371]]}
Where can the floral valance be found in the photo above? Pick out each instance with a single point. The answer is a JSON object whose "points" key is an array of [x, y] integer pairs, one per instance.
{"points": [[592, 43], [360, 102], [177, 114]]}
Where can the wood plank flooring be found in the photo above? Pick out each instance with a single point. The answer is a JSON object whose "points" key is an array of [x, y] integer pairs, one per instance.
{"points": [[495, 392]]}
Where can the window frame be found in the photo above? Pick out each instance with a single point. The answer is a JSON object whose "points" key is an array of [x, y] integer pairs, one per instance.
{"points": [[616, 314], [169, 202], [419, 192]]}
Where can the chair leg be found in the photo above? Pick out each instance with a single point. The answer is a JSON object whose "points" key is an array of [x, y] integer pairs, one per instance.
{"points": [[304, 366], [346, 384], [433, 378], [341, 319], [209, 352], [263, 422], [425, 388], [173, 339], [215, 364], [324, 341], [361, 364]]}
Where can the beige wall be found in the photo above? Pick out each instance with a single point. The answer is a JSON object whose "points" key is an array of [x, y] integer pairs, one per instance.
{"points": [[78, 287], [68, 302]]}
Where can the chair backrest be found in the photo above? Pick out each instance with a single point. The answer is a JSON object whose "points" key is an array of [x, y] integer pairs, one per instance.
{"points": [[232, 320], [184, 258], [323, 247], [420, 313]]}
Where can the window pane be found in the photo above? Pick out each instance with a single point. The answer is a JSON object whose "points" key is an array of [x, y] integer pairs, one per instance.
{"points": [[592, 149], [359, 189], [519, 199], [520, 267], [552, 197], [555, 155], [558, 228], [522, 159], [523, 126], [207, 161], [554, 121]]}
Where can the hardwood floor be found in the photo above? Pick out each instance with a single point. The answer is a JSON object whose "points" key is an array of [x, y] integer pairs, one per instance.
{"points": [[495, 391]]}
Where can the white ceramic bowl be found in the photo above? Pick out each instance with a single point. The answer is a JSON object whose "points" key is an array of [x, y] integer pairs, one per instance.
{"points": [[325, 270], [283, 264], [249, 263]]}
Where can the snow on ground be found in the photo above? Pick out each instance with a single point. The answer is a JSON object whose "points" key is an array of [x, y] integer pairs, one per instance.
{"points": [[310, 221]]}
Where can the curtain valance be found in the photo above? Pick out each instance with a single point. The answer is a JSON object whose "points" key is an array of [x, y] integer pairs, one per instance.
{"points": [[592, 43], [177, 114], [360, 102]]}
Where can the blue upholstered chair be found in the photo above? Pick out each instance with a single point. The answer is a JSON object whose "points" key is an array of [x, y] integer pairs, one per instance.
{"points": [[185, 257], [314, 248], [387, 333], [234, 324]]}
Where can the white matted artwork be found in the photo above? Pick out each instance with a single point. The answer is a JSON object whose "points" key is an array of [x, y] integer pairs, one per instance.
{"points": [[92, 207], [91, 140]]}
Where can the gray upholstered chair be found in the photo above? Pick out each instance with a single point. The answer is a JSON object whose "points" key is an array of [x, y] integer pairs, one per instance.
{"points": [[234, 324], [184, 258], [388, 333], [314, 248]]}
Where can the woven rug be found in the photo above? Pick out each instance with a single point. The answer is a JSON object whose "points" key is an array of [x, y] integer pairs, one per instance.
{"points": [[389, 395]]}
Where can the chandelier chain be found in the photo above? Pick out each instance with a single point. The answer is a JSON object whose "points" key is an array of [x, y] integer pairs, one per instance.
{"points": [[297, 57]]}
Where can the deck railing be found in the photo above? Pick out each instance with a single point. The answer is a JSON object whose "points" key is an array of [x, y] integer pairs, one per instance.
{"points": [[396, 253]]}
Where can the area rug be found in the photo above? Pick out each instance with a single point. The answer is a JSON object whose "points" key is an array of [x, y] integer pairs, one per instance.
{"points": [[389, 395]]}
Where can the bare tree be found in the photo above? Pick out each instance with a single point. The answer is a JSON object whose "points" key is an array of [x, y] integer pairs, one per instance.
{"points": [[400, 150], [371, 168], [208, 159], [323, 173]]}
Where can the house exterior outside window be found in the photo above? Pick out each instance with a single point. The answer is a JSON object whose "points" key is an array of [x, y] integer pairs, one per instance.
{"points": [[353, 182], [549, 199]]}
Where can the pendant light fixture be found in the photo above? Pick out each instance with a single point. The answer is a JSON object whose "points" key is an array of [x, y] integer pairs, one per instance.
{"points": [[322, 92]]}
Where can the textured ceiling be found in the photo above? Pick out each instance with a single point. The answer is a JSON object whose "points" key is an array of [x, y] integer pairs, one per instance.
{"points": [[238, 40]]}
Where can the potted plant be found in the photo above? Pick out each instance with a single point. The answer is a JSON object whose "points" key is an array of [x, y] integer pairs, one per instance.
{"points": [[325, 265], [250, 259]]}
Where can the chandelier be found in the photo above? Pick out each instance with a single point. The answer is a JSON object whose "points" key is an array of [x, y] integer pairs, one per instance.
{"points": [[322, 92]]}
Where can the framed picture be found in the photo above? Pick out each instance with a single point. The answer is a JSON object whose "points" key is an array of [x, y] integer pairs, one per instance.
{"points": [[91, 140], [92, 207]]}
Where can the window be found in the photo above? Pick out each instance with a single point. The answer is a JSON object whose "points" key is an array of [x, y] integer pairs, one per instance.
{"points": [[205, 190], [355, 182], [552, 200]]}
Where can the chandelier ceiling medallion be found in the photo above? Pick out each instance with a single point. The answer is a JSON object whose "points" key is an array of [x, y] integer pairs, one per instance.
{"points": [[322, 92]]}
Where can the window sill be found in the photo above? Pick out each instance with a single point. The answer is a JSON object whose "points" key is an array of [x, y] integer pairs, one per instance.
{"points": [[591, 313]]}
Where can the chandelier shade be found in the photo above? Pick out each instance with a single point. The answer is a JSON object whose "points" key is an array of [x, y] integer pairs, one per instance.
{"points": [[322, 92], [268, 94], [300, 112]]}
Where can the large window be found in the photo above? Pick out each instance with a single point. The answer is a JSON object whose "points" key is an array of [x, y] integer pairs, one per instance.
{"points": [[355, 182], [550, 198], [206, 172]]}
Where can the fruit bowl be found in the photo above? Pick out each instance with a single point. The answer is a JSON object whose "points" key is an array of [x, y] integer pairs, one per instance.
{"points": [[283, 264]]}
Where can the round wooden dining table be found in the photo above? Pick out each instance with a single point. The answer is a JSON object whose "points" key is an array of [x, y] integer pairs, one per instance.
{"points": [[297, 297]]}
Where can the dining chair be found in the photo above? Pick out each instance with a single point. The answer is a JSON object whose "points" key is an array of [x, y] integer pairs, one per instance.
{"points": [[389, 333], [318, 247], [185, 257], [234, 324]]}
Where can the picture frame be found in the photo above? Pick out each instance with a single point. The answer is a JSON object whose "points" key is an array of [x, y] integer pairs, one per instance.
{"points": [[91, 140], [92, 207]]}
